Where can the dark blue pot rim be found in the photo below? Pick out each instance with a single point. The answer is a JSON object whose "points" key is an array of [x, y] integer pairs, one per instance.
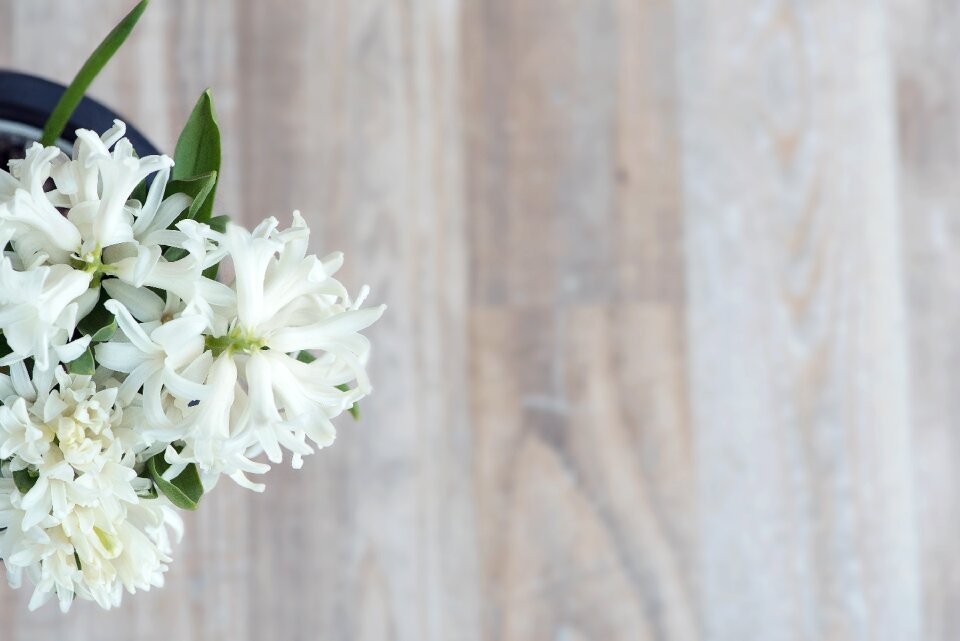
{"points": [[28, 100]]}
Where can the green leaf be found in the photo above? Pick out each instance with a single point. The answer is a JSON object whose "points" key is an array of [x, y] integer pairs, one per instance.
{"points": [[83, 366], [198, 149], [105, 332], [25, 480], [184, 491], [306, 357], [100, 325], [98, 59], [200, 188], [219, 223]]}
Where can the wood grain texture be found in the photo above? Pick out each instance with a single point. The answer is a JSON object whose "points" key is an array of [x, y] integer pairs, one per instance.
{"points": [[794, 266], [925, 45], [670, 350]]}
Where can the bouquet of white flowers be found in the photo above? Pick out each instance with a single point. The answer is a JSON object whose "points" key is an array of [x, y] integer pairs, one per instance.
{"points": [[131, 378]]}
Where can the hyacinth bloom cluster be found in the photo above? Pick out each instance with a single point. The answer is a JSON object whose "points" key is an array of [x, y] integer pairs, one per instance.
{"points": [[131, 379]]}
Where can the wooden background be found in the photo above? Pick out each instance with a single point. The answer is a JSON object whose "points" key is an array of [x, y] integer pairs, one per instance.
{"points": [[673, 345]]}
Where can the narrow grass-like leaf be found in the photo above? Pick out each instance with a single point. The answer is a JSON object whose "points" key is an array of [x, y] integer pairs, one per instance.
{"points": [[184, 491], [98, 59]]}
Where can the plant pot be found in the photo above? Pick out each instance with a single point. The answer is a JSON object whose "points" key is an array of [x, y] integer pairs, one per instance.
{"points": [[25, 103]]}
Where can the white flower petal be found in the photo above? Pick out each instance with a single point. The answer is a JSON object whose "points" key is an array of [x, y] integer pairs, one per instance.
{"points": [[142, 303]]}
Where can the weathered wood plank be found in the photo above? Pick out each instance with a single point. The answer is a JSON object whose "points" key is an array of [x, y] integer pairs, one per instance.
{"points": [[796, 311], [584, 460], [926, 43]]}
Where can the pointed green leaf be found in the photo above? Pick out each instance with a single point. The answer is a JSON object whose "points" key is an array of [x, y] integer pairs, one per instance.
{"points": [[198, 149], [105, 332], [184, 491], [98, 59], [83, 366], [100, 325], [200, 188], [219, 223]]}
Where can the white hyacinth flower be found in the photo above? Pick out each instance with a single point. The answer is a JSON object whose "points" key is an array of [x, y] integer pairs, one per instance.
{"points": [[285, 301], [81, 530], [38, 313], [177, 366], [93, 186], [153, 357], [39, 228], [104, 232]]}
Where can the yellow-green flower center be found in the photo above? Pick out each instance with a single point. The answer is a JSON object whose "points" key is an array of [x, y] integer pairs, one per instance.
{"points": [[236, 340], [91, 262]]}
